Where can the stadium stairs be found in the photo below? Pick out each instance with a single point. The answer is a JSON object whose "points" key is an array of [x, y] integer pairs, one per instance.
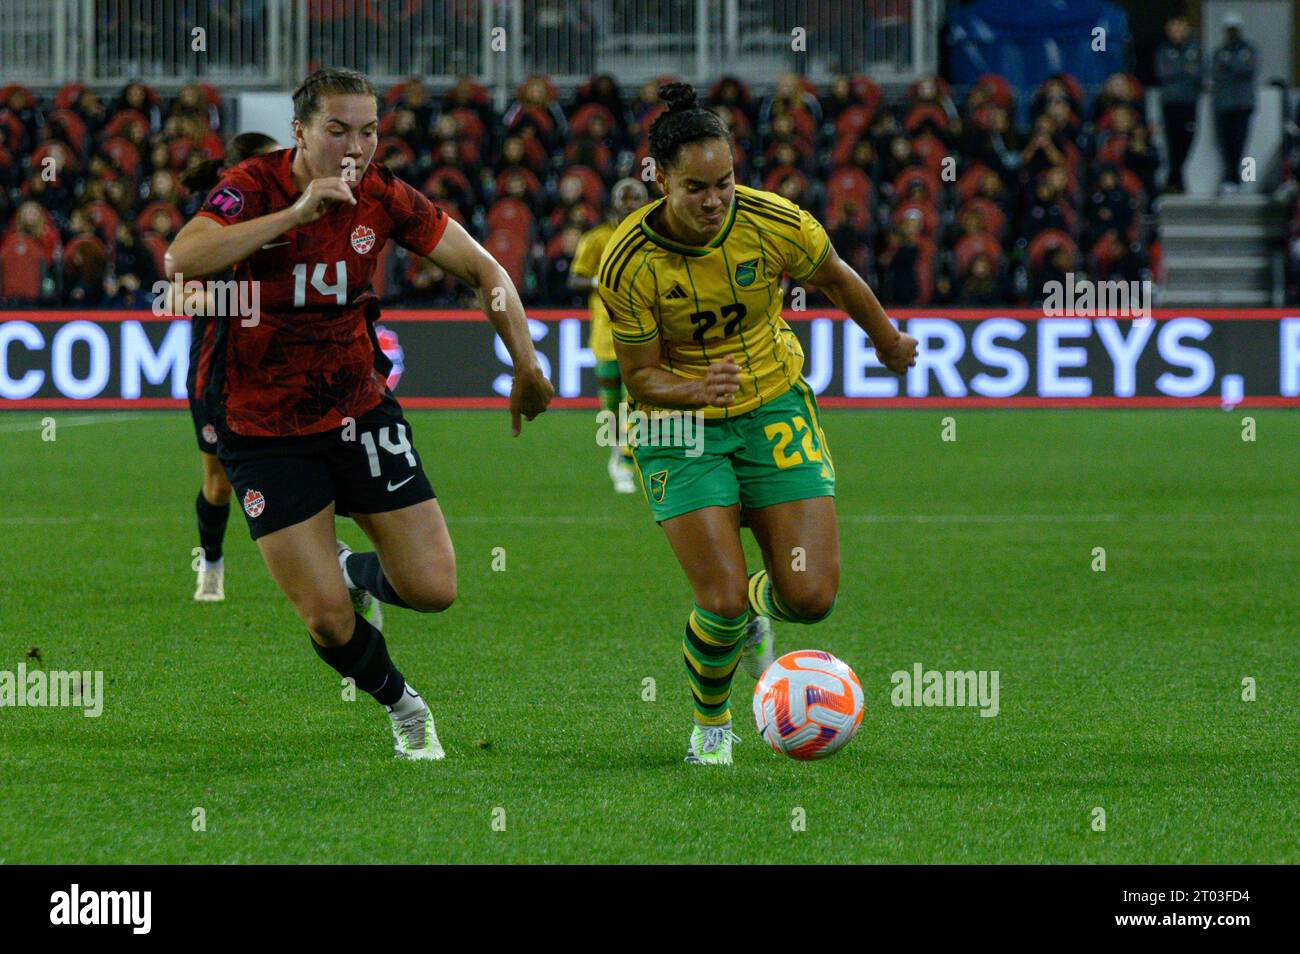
{"points": [[1222, 252]]}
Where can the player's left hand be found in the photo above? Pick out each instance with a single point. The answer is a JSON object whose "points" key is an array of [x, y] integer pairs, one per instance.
{"points": [[529, 396]]}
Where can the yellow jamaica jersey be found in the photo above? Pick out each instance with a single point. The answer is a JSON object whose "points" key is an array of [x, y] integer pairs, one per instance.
{"points": [[586, 262], [704, 303]]}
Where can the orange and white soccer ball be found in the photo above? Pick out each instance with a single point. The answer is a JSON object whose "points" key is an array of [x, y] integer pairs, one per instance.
{"points": [[808, 704]]}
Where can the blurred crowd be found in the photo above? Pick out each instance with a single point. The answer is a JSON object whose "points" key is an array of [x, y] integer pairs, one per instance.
{"points": [[91, 191], [933, 197]]}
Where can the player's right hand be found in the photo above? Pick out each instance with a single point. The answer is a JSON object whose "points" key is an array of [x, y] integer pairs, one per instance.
{"points": [[900, 356], [721, 382], [319, 195]]}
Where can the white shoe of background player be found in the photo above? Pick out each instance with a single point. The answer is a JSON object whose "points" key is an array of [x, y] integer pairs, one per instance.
{"points": [[212, 582]]}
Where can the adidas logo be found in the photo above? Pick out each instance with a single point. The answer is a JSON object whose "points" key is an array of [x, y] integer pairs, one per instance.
{"points": [[676, 292]]}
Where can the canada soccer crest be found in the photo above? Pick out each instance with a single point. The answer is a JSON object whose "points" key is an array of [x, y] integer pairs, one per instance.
{"points": [[363, 239], [209, 434], [254, 503], [392, 350]]}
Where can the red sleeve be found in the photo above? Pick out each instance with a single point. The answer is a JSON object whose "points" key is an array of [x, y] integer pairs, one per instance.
{"points": [[418, 224], [237, 197]]}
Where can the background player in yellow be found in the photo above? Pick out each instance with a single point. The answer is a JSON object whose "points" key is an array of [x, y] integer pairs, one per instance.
{"points": [[693, 287], [627, 196]]}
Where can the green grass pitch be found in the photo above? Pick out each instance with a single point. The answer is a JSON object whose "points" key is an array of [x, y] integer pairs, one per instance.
{"points": [[1119, 690]]}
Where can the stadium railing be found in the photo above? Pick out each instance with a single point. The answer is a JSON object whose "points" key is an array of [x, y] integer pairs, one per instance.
{"points": [[273, 43], [37, 40]]}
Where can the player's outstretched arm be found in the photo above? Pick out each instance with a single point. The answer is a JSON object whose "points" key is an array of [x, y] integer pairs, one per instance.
{"points": [[846, 289], [206, 247], [580, 283], [650, 384], [458, 254]]}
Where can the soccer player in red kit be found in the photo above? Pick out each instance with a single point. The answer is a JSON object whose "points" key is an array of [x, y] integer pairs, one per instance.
{"points": [[306, 427], [212, 507]]}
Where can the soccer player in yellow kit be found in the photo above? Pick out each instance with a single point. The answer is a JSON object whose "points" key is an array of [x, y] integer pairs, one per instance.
{"points": [[627, 196], [693, 287]]}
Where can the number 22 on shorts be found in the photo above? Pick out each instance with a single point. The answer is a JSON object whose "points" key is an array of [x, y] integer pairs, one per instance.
{"points": [[783, 435]]}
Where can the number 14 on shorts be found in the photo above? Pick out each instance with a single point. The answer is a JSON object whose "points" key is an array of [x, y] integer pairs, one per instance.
{"points": [[400, 446]]}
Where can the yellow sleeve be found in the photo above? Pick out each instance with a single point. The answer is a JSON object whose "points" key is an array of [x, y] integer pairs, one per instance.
{"points": [[631, 314], [807, 248], [586, 259]]}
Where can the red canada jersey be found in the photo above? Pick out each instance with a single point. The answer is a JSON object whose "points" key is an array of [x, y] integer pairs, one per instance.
{"points": [[308, 362]]}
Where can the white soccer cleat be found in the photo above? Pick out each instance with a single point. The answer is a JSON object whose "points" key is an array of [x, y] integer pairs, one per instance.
{"points": [[760, 647], [212, 583], [711, 745], [366, 605], [620, 473], [624, 483], [415, 737]]}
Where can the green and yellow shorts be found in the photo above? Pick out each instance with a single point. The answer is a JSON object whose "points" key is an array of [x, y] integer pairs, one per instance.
{"points": [[770, 455]]}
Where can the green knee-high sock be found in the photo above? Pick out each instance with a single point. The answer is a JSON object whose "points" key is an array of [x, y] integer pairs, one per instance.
{"points": [[625, 445], [765, 601], [712, 646], [608, 385]]}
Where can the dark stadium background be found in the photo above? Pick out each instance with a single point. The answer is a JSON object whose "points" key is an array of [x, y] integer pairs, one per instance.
{"points": [[961, 155], [521, 145]]}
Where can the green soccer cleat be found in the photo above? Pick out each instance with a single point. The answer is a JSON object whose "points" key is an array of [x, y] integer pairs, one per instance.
{"points": [[369, 608], [760, 647], [414, 736], [711, 745]]}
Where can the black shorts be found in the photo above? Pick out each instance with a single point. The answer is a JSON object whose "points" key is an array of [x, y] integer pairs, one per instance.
{"points": [[369, 467], [205, 428]]}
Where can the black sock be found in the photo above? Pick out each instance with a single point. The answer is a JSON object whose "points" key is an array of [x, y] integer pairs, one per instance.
{"points": [[364, 658], [366, 573], [212, 527]]}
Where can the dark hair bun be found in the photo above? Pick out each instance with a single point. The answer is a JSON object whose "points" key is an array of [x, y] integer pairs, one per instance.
{"points": [[681, 124], [678, 96]]}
